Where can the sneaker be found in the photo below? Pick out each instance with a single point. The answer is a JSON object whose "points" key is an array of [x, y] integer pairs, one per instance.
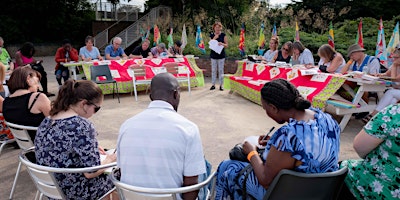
{"points": [[50, 94], [220, 88], [361, 115], [212, 87]]}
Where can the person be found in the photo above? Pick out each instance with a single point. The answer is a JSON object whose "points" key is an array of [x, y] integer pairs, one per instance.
{"points": [[218, 59], [302, 55], [67, 139], [392, 95], [359, 61], [142, 51], [5, 132], [330, 61], [174, 157], [376, 175], [24, 56], [308, 143], [5, 58], [65, 53], [272, 51], [89, 52], [284, 55], [159, 51], [176, 49], [114, 50], [26, 106]]}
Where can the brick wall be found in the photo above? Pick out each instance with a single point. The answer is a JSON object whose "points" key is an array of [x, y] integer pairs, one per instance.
{"points": [[204, 63]]}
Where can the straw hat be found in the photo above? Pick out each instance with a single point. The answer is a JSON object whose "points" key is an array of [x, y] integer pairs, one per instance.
{"points": [[354, 48]]}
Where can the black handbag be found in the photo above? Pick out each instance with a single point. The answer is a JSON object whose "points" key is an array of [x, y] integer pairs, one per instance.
{"points": [[236, 153]]}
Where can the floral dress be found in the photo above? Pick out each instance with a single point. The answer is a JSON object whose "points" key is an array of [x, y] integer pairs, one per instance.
{"points": [[71, 143], [316, 143], [378, 175]]}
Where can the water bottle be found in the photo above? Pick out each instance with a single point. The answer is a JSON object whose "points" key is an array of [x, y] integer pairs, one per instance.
{"points": [[291, 61]]}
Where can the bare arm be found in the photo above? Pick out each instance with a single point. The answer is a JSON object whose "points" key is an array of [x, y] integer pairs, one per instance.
{"points": [[335, 63], [346, 67], [364, 143], [18, 59], [187, 181]]}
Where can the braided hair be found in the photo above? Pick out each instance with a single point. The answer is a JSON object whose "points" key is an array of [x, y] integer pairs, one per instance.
{"points": [[283, 95]]}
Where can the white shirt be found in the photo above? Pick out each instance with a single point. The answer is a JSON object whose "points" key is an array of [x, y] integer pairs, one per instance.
{"points": [[269, 55], [158, 146], [338, 70], [306, 57]]}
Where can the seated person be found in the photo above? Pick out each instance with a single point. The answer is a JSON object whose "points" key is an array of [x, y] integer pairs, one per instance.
{"points": [[330, 61], [159, 51], [64, 54], [284, 55], [176, 49], [67, 139], [302, 55], [89, 52], [25, 105], [174, 157], [114, 50], [5, 58], [272, 51], [290, 147], [142, 51], [359, 61], [24, 56], [377, 174], [5, 133]]}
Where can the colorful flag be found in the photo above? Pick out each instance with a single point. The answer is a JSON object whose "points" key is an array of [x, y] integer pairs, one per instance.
{"points": [[241, 41], [184, 38], [331, 36], [380, 51], [261, 39], [393, 42], [297, 36], [359, 38], [145, 35], [274, 32], [157, 35], [170, 38], [199, 40]]}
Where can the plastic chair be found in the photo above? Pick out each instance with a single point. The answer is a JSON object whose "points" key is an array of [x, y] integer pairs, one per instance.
{"points": [[44, 178], [20, 133], [289, 184], [100, 71], [137, 71], [181, 72], [130, 192]]}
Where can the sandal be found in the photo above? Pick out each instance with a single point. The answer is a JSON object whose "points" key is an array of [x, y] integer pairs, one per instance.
{"points": [[366, 119]]}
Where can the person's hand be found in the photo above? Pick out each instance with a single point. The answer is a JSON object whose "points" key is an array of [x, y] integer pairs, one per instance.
{"points": [[263, 141], [110, 158], [102, 151], [88, 59], [221, 44], [101, 58], [309, 66], [248, 147], [117, 58]]}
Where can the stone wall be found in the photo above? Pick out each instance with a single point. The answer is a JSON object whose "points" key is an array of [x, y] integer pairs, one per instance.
{"points": [[204, 63], [40, 49]]}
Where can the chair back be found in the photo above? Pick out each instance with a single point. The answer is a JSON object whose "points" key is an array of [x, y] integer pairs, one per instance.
{"points": [[130, 192], [137, 71], [100, 71], [21, 135], [289, 185]]}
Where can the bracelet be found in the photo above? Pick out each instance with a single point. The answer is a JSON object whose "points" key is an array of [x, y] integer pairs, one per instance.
{"points": [[251, 154]]}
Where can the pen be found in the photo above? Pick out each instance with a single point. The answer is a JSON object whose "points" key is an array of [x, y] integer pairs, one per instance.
{"points": [[270, 131]]}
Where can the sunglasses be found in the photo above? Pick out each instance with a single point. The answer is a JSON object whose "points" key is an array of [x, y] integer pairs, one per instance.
{"points": [[285, 49], [96, 107]]}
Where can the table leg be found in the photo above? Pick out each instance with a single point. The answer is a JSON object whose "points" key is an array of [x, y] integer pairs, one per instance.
{"points": [[74, 72], [344, 121]]}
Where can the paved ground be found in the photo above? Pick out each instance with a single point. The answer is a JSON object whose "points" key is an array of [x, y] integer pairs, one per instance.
{"points": [[223, 119]]}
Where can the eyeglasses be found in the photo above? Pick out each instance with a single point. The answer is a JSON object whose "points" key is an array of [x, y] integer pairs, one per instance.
{"points": [[96, 107], [285, 49]]}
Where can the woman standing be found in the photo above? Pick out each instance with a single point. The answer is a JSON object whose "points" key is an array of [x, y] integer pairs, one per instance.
{"points": [[67, 139], [218, 59], [89, 52]]}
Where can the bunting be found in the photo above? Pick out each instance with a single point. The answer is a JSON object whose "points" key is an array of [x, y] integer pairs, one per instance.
{"points": [[331, 36], [200, 41], [241, 41], [380, 51], [297, 35], [183, 38], [157, 35], [261, 39], [274, 32], [170, 39], [359, 38], [393, 42]]}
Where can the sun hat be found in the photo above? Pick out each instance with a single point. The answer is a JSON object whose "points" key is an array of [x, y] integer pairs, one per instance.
{"points": [[354, 48]]}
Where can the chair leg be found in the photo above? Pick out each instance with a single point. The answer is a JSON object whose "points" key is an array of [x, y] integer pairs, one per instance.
{"points": [[116, 85], [2, 146], [15, 179], [134, 90], [37, 195]]}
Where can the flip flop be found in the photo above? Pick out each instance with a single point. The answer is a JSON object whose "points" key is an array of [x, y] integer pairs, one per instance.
{"points": [[366, 119]]}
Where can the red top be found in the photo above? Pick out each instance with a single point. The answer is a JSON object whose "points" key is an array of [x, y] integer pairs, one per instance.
{"points": [[60, 56]]}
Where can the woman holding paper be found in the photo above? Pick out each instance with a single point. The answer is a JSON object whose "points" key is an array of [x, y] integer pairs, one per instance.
{"points": [[218, 59]]}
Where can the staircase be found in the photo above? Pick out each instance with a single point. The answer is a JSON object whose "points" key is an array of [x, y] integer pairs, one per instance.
{"points": [[132, 32]]}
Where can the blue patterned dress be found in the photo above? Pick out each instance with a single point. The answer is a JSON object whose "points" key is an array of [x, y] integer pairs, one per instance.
{"points": [[71, 143], [315, 143]]}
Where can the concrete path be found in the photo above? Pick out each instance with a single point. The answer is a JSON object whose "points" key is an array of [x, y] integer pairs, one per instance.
{"points": [[223, 119]]}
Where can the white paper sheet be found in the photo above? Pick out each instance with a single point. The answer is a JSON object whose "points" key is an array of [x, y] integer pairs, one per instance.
{"points": [[213, 45]]}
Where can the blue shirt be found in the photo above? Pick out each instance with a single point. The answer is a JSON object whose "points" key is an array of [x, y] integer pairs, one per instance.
{"points": [[110, 50], [94, 53]]}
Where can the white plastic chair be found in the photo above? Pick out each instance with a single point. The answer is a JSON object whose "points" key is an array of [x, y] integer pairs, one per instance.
{"points": [[20, 133], [181, 72], [44, 179], [136, 71], [130, 192]]}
